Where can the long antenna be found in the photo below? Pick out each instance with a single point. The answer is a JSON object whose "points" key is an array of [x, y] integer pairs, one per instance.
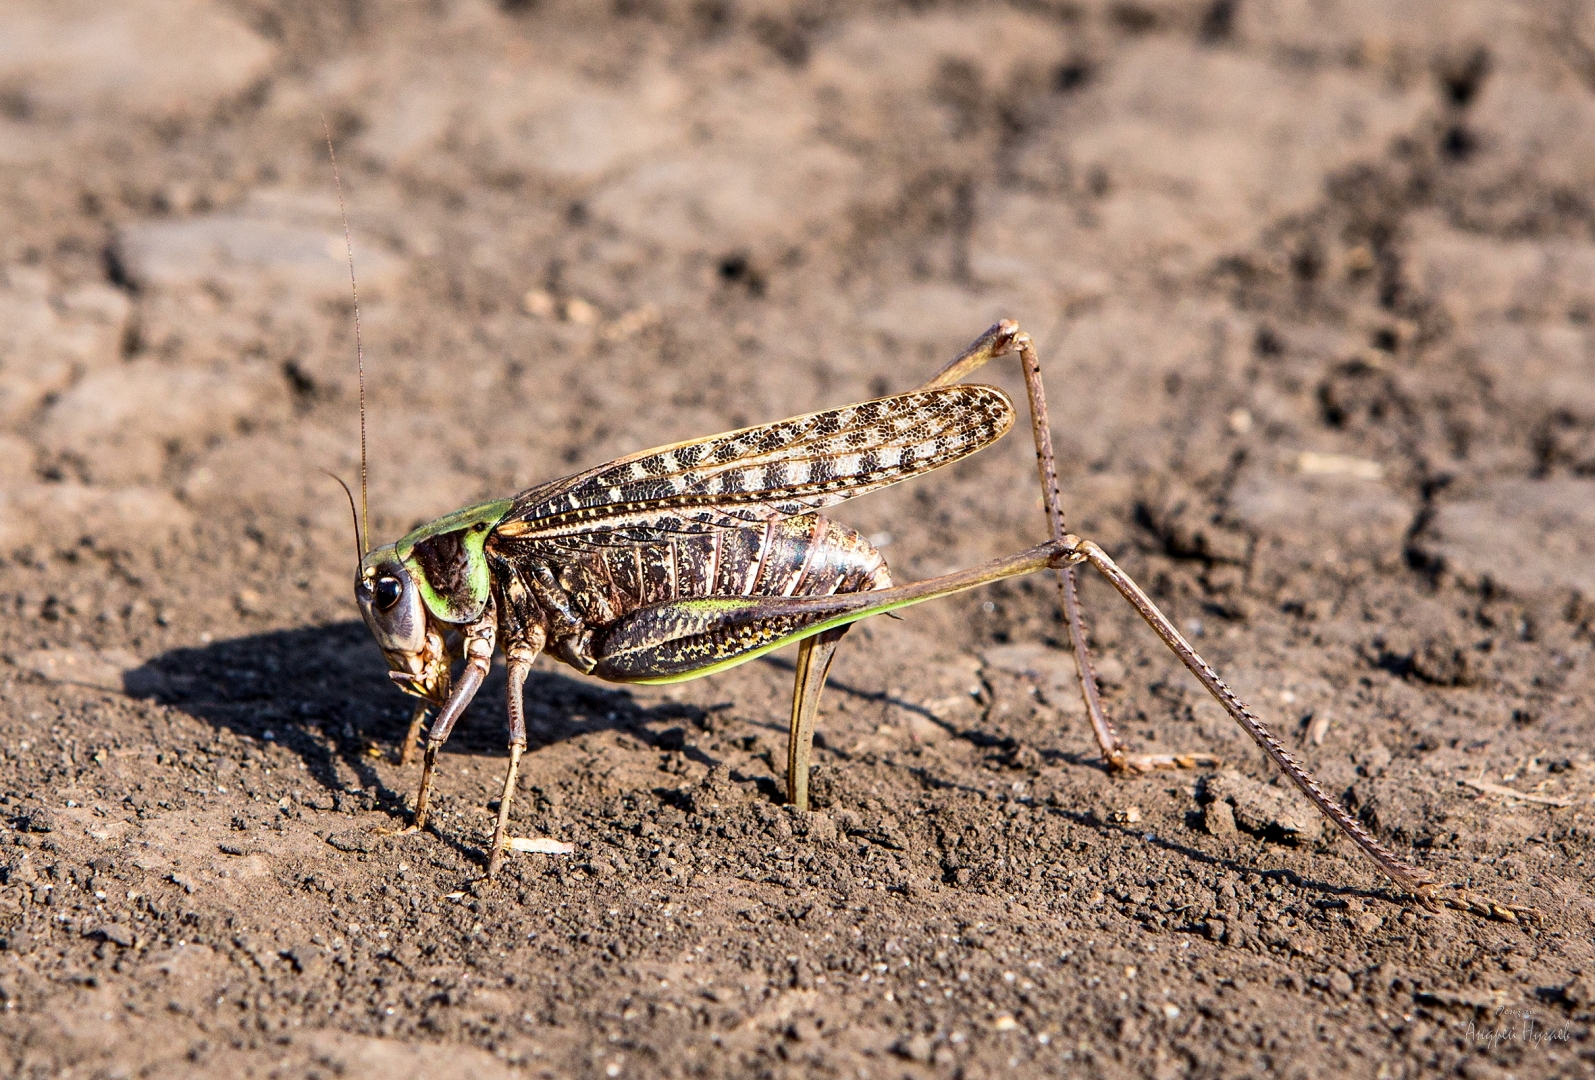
{"points": [[359, 556], [363, 536]]}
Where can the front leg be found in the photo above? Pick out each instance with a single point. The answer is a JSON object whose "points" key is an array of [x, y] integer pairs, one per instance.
{"points": [[412, 738], [477, 645]]}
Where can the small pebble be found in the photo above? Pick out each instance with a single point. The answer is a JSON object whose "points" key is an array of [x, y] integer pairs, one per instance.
{"points": [[538, 303], [580, 312]]}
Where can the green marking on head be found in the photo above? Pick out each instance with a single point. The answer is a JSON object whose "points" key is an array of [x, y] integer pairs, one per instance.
{"points": [[486, 515], [447, 563]]}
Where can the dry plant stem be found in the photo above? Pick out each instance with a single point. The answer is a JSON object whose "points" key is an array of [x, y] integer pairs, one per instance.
{"points": [[1409, 877]]}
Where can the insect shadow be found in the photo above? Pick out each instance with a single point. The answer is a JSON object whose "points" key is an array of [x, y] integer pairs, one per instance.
{"points": [[310, 690]]}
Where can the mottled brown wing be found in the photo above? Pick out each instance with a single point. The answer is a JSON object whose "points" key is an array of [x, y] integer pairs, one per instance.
{"points": [[789, 467]]}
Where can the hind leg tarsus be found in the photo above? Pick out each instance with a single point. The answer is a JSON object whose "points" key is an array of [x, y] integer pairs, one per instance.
{"points": [[1404, 874]]}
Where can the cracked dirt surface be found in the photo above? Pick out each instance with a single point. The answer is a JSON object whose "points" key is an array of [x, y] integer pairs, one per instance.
{"points": [[1315, 289]]}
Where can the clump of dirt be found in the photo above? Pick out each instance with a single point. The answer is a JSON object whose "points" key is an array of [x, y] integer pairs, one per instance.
{"points": [[1313, 289]]}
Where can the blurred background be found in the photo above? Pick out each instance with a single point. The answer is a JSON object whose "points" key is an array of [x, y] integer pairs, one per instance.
{"points": [[1241, 232], [1313, 280]]}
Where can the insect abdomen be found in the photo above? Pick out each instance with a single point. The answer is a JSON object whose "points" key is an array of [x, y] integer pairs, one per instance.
{"points": [[667, 637], [806, 555]]}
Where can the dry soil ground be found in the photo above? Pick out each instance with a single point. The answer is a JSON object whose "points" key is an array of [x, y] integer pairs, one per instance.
{"points": [[1315, 282]]}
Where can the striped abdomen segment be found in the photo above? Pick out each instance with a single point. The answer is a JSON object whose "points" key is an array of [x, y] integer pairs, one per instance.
{"points": [[673, 637], [797, 556]]}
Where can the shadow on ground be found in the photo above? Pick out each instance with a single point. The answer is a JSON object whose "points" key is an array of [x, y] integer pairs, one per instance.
{"points": [[323, 693]]}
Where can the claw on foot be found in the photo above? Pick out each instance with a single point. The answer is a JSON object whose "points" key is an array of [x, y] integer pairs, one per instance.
{"points": [[1460, 899], [1144, 763], [406, 831]]}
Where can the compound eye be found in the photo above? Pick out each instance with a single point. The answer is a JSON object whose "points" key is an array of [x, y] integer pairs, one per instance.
{"points": [[385, 593]]}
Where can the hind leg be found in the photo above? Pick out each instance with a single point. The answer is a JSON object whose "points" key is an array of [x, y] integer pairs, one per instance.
{"points": [[1001, 339]]}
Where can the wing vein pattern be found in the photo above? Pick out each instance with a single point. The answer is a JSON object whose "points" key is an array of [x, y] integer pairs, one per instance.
{"points": [[739, 478]]}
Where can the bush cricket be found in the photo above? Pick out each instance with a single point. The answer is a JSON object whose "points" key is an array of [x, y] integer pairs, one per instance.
{"points": [[684, 560]]}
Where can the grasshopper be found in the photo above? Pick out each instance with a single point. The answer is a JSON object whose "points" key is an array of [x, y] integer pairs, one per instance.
{"points": [[688, 559]]}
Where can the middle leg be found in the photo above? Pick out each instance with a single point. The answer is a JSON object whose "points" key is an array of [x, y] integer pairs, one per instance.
{"points": [[520, 656], [814, 663]]}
